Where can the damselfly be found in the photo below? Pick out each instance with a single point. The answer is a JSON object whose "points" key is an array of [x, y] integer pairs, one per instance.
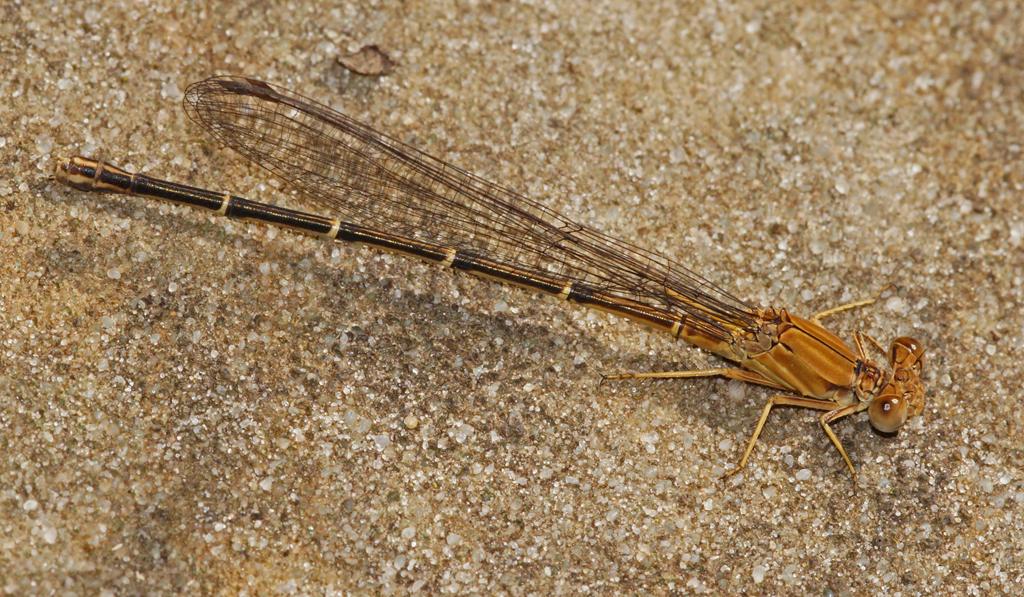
{"points": [[381, 192]]}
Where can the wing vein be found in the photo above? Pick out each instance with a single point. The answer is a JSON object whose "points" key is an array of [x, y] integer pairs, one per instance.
{"points": [[367, 178]]}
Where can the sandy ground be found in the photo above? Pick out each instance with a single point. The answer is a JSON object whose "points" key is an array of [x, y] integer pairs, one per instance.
{"points": [[190, 404]]}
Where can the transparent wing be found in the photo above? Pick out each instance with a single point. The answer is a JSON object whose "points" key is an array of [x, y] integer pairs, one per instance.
{"points": [[365, 177]]}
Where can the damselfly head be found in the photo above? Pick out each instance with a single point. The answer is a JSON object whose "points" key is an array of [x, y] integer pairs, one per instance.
{"points": [[903, 396], [906, 353]]}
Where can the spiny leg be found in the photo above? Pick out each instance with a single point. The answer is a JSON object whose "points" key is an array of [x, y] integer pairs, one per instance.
{"points": [[730, 373], [831, 417], [780, 400], [859, 342], [859, 336], [817, 317]]}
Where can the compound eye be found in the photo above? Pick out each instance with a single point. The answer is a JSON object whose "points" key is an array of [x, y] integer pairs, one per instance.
{"points": [[887, 413], [903, 349]]}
